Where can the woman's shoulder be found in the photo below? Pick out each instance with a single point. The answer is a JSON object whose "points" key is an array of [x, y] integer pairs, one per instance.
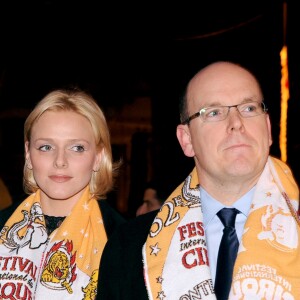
{"points": [[7, 212]]}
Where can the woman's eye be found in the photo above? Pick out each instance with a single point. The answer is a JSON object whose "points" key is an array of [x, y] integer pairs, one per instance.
{"points": [[45, 148], [78, 148]]}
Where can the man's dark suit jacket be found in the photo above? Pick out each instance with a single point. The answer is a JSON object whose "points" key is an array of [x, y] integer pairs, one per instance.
{"points": [[121, 267]]}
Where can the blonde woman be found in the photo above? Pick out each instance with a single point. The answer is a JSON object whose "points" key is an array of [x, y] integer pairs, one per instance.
{"points": [[51, 243]]}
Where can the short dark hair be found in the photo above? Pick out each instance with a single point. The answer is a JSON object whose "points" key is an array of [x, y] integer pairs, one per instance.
{"points": [[161, 188]]}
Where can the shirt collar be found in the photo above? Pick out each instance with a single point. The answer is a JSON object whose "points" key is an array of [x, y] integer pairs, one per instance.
{"points": [[211, 206]]}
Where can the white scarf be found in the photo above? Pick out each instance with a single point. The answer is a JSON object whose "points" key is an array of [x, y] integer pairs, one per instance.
{"points": [[175, 255], [63, 265]]}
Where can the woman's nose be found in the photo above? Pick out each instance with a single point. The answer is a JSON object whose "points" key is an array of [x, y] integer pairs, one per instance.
{"points": [[60, 160]]}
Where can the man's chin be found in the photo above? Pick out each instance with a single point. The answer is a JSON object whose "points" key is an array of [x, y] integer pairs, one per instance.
{"points": [[240, 166]]}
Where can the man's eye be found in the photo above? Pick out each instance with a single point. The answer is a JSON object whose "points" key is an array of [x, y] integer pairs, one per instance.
{"points": [[213, 113], [78, 148], [45, 148], [251, 108]]}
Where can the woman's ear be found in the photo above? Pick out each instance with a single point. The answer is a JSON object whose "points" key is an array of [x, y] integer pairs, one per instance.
{"points": [[27, 156], [98, 159], [184, 138]]}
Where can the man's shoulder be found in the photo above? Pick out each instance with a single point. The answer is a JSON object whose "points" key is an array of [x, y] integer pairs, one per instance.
{"points": [[143, 221], [136, 229], [111, 218]]}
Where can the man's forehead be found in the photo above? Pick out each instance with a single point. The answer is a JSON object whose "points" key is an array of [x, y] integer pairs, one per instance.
{"points": [[222, 92]]}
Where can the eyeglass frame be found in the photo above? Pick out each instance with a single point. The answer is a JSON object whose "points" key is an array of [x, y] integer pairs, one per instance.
{"points": [[198, 114]]}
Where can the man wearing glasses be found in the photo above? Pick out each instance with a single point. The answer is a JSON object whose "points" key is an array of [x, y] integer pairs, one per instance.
{"points": [[213, 237]]}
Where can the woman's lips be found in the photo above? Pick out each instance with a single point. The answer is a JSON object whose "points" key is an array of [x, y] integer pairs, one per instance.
{"points": [[60, 178]]}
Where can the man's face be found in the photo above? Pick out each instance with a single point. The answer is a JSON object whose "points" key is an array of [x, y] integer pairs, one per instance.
{"points": [[234, 148], [150, 202]]}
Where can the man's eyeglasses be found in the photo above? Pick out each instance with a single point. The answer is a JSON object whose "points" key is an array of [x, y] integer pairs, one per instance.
{"points": [[220, 113]]}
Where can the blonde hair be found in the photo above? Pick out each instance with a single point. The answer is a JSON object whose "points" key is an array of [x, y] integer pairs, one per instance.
{"points": [[82, 103]]}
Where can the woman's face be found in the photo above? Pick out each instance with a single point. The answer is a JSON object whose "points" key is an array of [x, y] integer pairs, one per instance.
{"points": [[62, 154]]}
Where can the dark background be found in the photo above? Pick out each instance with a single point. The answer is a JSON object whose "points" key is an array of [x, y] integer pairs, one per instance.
{"points": [[121, 51]]}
